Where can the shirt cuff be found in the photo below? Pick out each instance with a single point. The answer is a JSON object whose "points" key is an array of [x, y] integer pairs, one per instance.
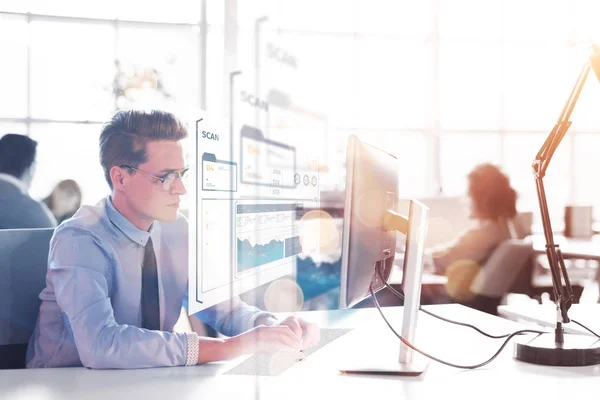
{"points": [[192, 348], [261, 314]]}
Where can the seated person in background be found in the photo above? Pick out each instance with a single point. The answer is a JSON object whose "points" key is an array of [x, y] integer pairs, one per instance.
{"points": [[17, 168], [64, 200], [118, 271], [494, 206]]}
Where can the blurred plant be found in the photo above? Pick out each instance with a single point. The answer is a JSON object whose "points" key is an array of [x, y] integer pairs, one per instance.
{"points": [[135, 86]]}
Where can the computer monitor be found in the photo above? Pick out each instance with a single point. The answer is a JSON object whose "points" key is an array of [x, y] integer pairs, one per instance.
{"points": [[371, 190], [371, 223]]}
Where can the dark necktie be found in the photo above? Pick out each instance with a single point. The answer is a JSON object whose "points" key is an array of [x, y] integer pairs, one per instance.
{"points": [[150, 305]]}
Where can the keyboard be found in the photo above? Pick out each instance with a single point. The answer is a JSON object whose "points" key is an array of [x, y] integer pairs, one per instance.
{"points": [[276, 364]]}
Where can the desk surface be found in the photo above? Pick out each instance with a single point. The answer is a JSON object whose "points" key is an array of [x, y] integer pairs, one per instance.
{"points": [[545, 315], [318, 378], [581, 249]]}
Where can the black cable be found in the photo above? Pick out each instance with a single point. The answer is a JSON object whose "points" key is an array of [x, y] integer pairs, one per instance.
{"points": [[401, 296], [586, 328], [437, 359]]}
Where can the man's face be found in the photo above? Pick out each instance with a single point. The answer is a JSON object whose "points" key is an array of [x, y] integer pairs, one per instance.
{"points": [[146, 195]]}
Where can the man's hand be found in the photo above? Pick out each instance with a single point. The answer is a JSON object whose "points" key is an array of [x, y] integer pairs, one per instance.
{"points": [[262, 339], [291, 333], [309, 333]]}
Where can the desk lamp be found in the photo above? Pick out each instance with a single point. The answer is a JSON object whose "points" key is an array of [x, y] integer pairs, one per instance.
{"points": [[562, 349]]}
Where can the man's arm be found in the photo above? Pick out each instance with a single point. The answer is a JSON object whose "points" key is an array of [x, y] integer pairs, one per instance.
{"points": [[79, 271], [233, 316], [252, 319], [267, 320]]}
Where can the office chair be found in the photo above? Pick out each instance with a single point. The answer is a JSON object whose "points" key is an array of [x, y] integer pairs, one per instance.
{"points": [[23, 265], [508, 270]]}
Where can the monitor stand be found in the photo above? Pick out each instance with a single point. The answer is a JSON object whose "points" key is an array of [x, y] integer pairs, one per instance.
{"points": [[408, 363], [413, 368]]}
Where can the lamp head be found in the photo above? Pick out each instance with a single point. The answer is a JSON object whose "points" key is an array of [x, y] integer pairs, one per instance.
{"points": [[595, 59]]}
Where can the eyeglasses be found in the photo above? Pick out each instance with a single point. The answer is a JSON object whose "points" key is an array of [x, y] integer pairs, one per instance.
{"points": [[166, 179]]}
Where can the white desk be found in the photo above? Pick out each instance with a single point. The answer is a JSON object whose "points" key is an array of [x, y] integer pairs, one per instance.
{"points": [[545, 315], [571, 249], [317, 377]]}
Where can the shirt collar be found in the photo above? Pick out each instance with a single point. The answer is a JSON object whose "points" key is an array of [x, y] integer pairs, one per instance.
{"points": [[16, 182], [124, 225]]}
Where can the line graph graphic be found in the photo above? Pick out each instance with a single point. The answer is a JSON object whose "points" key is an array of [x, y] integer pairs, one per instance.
{"points": [[250, 256], [265, 233]]}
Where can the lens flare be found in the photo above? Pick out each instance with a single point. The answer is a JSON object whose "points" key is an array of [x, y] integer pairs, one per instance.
{"points": [[320, 235], [369, 206], [460, 275], [284, 295]]}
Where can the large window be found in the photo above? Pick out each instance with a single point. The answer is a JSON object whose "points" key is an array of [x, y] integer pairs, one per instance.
{"points": [[504, 76], [459, 153], [71, 82], [68, 151], [72, 66], [444, 85], [13, 79], [470, 86], [586, 171], [519, 151], [391, 85]]}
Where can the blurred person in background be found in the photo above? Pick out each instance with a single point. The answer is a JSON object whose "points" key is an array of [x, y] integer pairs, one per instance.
{"points": [[17, 168], [64, 200], [493, 204]]}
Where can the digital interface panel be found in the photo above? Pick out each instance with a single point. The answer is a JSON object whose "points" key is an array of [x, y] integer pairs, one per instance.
{"points": [[247, 195]]}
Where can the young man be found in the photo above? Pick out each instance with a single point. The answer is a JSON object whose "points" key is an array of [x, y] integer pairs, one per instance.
{"points": [[117, 272], [17, 167]]}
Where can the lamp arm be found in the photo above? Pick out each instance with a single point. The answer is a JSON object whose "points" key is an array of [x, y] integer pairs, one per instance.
{"points": [[563, 294], [544, 155]]}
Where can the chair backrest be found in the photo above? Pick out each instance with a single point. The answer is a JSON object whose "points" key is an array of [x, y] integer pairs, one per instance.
{"points": [[23, 265], [506, 268]]}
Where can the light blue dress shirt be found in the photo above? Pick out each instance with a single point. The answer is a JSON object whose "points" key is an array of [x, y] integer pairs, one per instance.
{"points": [[91, 307]]}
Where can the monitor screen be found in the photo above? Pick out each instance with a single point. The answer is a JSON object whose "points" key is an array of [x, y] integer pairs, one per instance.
{"points": [[371, 190]]}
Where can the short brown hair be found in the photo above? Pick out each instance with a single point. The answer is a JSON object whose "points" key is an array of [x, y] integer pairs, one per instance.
{"points": [[17, 153], [491, 193], [124, 137]]}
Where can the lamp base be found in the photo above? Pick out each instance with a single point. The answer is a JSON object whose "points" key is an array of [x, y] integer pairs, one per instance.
{"points": [[575, 351]]}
